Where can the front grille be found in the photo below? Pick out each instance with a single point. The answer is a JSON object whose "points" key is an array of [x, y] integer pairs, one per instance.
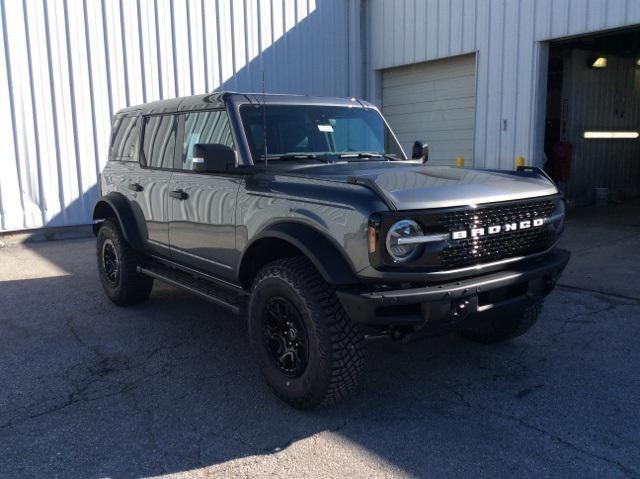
{"points": [[483, 249]]}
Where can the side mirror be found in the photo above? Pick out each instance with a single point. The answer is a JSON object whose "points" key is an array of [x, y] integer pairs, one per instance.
{"points": [[420, 151], [213, 158]]}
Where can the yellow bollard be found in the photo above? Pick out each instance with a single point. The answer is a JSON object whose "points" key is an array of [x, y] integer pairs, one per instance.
{"points": [[460, 162], [519, 161]]}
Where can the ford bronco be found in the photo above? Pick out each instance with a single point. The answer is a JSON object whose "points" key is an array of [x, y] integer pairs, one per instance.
{"points": [[305, 215]]}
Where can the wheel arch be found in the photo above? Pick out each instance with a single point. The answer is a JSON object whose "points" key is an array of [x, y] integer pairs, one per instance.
{"points": [[289, 239], [116, 205]]}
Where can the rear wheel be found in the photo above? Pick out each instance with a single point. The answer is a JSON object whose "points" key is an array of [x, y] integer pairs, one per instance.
{"points": [[503, 327], [117, 263], [309, 351]]}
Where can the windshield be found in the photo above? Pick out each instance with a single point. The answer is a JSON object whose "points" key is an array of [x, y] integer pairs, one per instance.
{"points": [[318, 132]]}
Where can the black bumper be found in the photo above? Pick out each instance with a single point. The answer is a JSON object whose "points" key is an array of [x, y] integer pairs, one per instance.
{"points": [[499, 292]]}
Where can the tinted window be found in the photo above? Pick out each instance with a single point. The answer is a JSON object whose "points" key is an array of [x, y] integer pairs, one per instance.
{"points": [[205, 128], [317, 129], [124, 139], [159, 141], [355, 134]]}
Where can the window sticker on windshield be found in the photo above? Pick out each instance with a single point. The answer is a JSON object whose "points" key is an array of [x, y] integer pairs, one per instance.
{"points": [[325, 128]]}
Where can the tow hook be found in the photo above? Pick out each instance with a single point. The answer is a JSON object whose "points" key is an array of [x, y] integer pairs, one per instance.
{"points": [[461, 309]]}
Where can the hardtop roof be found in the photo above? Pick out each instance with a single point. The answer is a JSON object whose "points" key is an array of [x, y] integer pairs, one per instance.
{"points": [[220, 99]]}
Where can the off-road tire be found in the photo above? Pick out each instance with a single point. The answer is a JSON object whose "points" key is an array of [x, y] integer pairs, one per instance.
{"points": [[129, 287], [504, 327], [336, 346]]}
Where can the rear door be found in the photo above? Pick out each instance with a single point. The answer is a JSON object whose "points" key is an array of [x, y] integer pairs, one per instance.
{"points": [[203, 205], [122, 169], [150, 187]]}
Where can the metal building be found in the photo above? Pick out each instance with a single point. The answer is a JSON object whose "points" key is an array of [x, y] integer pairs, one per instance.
{"points": [[68, 65], [468, 76]]}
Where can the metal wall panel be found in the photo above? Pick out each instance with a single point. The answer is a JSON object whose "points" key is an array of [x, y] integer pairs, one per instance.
{"points": [[509, 38], [68, 65]]}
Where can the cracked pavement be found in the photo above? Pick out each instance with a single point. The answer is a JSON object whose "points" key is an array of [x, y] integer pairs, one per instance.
{"points": [[170, 388]]}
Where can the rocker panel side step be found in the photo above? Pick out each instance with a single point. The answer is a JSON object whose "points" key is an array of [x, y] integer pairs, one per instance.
{"points": [[230, 300]]}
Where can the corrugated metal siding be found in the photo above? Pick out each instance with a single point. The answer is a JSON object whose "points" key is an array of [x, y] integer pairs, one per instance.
{"points": [[602, 100], [70, 64], [507, 36]]}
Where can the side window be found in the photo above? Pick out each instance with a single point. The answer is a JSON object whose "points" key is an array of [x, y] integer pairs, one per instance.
{"points": [[204, 127], [124, 139], [159, 141]]}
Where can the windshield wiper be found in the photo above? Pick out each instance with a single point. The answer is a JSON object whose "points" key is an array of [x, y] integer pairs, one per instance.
{"points": [[367, 154], [296, 156]]}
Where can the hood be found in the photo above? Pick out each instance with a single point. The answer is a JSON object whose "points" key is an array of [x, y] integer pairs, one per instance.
{"points": [[412, 187]]}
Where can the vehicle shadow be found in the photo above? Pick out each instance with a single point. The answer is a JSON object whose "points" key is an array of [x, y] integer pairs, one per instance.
{"points": [[93, 390]]}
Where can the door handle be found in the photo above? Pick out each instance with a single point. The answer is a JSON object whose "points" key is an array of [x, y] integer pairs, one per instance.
{"points": [[135, 187], [179, 194]]}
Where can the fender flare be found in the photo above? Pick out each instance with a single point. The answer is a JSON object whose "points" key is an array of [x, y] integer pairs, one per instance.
{"points": [[117, 204], [327, 257]]}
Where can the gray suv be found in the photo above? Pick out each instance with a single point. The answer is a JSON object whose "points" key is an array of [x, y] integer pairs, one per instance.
{"points": [[304, 215]]}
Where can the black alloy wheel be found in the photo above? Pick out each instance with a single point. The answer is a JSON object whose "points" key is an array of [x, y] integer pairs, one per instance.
{"points": [[111, 262], [308, 350], [285, 336], [118, 267]]}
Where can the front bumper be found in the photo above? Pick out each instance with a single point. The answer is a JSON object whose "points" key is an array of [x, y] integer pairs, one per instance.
{"points": [[454, 301]]}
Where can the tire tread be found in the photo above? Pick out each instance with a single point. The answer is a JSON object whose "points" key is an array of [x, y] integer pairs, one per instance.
{"points": [[134, 287], [346, 354]]}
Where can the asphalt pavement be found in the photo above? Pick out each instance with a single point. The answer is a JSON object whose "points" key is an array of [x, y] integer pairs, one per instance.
{"points": [[88, 389]]}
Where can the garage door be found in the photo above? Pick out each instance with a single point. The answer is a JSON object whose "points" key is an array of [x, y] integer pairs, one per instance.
{"points": [[434, 102]]}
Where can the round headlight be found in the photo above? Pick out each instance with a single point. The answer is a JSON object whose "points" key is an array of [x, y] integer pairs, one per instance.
{"points": [[399, 243]]}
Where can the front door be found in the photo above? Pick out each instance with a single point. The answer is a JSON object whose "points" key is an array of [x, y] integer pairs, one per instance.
{"points": [[203, 206]]}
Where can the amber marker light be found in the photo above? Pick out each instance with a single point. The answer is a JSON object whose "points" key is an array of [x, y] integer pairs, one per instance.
{"points": [[373, 239]]}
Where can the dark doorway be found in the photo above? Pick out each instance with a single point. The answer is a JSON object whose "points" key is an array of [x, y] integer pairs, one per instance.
{"points": [[592, 119]]}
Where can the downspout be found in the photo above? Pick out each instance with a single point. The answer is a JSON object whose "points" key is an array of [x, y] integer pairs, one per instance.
{"points": [[356, 52], [364, 48]]}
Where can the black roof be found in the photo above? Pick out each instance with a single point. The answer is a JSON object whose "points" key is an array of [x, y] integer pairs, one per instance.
{"points": [[220, 99]]}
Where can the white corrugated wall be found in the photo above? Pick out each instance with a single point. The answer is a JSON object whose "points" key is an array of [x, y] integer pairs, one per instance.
{"points": [[508, 36], [70, 64]]}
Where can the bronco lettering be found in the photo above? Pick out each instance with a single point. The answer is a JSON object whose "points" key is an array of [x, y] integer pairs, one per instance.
{"points": [[495, 229]]}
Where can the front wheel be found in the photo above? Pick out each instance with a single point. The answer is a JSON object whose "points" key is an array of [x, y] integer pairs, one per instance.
{"points": [[502, 327], [309, 351], [117, 263]]}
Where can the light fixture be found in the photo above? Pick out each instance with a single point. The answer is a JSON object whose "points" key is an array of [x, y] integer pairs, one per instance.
{"points": [[590, 135], [638, 62], [599, 62], [403, 240]]}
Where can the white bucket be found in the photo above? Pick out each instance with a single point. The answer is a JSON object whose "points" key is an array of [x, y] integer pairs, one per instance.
{"points": [[602, 196]]}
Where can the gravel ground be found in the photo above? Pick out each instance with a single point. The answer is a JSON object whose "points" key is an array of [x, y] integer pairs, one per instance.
{"points": [[170, 388]]}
